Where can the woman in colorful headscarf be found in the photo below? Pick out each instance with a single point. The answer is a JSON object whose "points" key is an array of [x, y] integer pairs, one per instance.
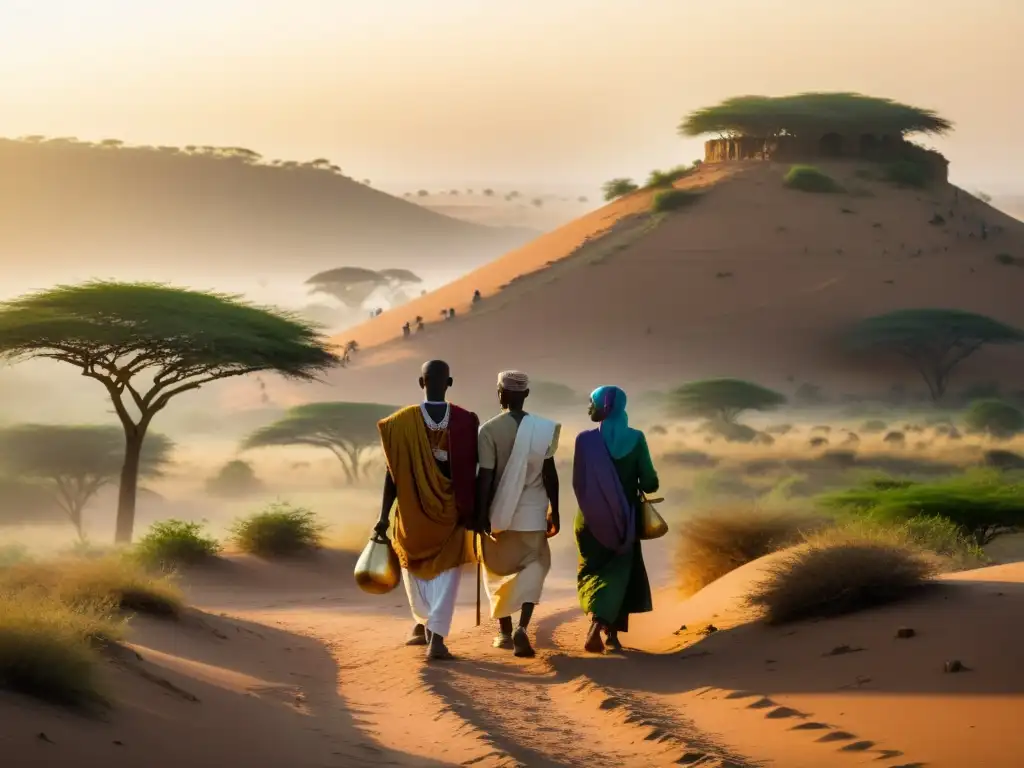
{"points": [[612, 469]]}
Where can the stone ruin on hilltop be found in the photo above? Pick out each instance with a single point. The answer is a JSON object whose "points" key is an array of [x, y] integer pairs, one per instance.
{"points": [[817, 126]]}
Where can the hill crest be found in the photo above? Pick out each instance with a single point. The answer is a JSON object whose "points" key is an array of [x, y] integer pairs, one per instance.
{"points": [[219, 211], [754, 281]]}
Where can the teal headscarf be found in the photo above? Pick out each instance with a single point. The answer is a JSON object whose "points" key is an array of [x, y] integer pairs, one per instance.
{"points": [[611, 403]]}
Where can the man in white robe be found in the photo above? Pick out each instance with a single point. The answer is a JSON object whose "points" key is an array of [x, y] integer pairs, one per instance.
{"points": [[517, 489]]}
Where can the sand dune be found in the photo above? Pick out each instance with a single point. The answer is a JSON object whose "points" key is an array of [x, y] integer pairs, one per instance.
{"points": [[303, 670], [754, 280]]}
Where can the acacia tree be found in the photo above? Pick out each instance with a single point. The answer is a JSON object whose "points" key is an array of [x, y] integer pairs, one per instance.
{"points": [[349, 285], [722, 399], [934, 341], [348, 430], [147, 343], [77, 460]]}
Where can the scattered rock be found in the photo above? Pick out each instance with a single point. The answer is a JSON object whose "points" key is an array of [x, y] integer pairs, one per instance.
{"points": [[904, 633], [680, 630], [709, 629], [954, 665]]}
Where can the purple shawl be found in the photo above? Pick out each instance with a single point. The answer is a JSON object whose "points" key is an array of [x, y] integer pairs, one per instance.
{"points": [[608, 515]]}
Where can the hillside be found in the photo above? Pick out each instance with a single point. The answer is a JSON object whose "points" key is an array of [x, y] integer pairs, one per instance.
{"points": [[74, 210], [753, 280]]}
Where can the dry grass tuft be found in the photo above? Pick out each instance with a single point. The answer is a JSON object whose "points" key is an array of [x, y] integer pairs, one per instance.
{"points": [[843, 570], [712, 544], [48, 647], [115, 580], [54, 616]]}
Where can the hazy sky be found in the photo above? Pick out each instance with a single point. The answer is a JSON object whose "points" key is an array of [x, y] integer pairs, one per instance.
{"points": [[526, 92]]}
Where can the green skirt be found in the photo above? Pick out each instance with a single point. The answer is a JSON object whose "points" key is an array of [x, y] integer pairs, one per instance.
{"points": [[611, 586]]}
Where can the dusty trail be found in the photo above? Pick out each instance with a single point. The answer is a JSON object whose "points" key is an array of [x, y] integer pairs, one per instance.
{"points": [[741, 697], [489, 708]]}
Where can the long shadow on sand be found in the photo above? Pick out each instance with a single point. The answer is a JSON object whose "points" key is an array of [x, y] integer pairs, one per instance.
{"points": [[964, 621]]}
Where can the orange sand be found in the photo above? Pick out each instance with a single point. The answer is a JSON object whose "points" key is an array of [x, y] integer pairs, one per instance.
{"points": [[755, 280], [306, 671]]}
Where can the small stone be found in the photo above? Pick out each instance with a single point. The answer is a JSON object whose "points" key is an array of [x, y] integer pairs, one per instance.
{"points": [[904, 633], [954, 665], [709, 629]]}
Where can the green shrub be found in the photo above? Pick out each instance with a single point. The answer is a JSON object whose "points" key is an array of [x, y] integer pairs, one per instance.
{"points": [[808, 178], [674, 200], [995, 418], [176, 542], [669, 177], [279, 531], [908, 173], [732, 432], [618, 188], [980, 504]]}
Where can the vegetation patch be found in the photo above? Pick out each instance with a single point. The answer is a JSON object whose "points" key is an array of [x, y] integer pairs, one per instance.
{"points": [[118, 581], [616, 188], [839, 571], [348, 430], [47, 647], [669, 177], [909, 173], [980, 504], [170, 543], [808, 178], [995, 418], [55, 617], [712, 544], [934, 341], [674, 200], [812, 114], [281, 530]]}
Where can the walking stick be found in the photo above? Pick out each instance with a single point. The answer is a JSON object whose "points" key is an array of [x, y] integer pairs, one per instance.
{"points": [[479, 576]]}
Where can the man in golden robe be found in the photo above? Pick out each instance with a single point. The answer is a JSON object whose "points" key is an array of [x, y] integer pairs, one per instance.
{"points": [[431, 455]]}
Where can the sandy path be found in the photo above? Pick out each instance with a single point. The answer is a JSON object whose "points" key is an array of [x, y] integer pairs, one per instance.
{"points": [[838, 693], [488, 708]]}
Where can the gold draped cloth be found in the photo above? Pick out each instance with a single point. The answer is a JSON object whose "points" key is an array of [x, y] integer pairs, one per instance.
{"points": [[428, 537]]}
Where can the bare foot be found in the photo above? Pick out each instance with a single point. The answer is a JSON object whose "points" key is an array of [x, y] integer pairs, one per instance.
{"points": [[503, 641], [613, 642], [521, 643], [594, 643], [418, 636]]}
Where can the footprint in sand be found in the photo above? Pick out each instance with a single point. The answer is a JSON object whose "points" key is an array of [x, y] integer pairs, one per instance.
{"points": [[740, 695], [810, 727], [762, 703], [836, 736], [858, 746], [781, 712]]}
